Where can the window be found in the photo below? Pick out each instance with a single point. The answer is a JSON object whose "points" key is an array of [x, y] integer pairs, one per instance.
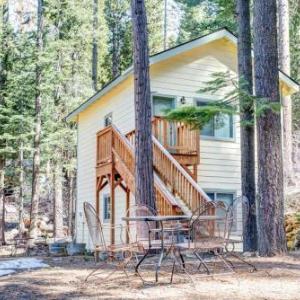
{"points": [[226, 198], [220, 127], [106, 207], [108, 120], [161, 104]]}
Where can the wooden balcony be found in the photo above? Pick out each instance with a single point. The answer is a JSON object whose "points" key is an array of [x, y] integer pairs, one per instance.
{"points": [[177, 138]]}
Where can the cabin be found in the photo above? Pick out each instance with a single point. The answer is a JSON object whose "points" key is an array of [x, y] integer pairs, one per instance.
{"points": [[190, 167]]}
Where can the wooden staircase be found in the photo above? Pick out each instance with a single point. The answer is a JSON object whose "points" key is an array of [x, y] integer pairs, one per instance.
{"points": [[175, 160]]}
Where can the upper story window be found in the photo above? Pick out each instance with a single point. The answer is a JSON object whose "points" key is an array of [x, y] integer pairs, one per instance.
{"points": [[161, 104], [108, 120], [222, 128], [106, 207]]}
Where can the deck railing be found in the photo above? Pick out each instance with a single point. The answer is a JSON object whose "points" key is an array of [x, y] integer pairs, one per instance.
{"points": [[104, 150], [110, 139], [185, 141], [176, 137], [174, 175]]}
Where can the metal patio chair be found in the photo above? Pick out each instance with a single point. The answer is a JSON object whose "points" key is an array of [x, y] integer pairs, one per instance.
{"points": [[116, 255], [239, 203], [206, 235], [144, 237]]}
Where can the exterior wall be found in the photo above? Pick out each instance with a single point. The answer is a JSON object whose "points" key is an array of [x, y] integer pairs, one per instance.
{"points": [[219, 167], [184, 75], [120, 103]]}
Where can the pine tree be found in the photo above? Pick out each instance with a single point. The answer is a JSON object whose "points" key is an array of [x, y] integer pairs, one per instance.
{"points": [[3, 77], [202, 17], [119, 40], [270, 218], [144, 179], [247, 118], [35, 197]]}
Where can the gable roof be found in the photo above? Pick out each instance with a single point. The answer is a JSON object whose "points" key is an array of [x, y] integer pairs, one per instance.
{"points": [[166, 54]]}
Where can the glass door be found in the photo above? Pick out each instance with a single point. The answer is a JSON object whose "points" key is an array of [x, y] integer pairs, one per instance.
{"points": [[160, 105]]}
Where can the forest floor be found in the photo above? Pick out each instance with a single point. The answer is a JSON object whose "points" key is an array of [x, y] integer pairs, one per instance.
{"points": [[276, 278]]}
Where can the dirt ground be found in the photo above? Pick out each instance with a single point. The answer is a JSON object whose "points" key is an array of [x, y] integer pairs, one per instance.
{"points": [[276, 278]]}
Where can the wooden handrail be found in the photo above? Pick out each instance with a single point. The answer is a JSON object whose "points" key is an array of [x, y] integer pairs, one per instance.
{"points": [[119, 146], [175, 136], [168, 168], [173, 174]]}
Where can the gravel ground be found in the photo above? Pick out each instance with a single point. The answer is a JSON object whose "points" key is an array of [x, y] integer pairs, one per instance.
{"points": [[276, 278]]}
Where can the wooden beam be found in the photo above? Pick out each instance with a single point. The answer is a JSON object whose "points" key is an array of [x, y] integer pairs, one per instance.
{"points": [[98, 213], [127, 213], [103, 185], [122, 186], [112, 204], [99, 182]]}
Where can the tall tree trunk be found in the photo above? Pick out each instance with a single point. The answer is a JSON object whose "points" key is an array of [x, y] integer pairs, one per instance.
{"points": [[247, 116], [71, 204], [144, 181], [115, 53], [3, 79], [58, 202], [95, 45], [270, 209], [165, 23], [37, 134], [2, 199], [21, 190], [285, 66]]}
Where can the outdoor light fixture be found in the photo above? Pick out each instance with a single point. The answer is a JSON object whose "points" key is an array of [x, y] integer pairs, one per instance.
{"points": [[182, 100]]}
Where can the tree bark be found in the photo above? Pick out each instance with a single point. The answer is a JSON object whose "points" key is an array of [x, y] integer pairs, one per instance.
{"points": [[247, 131], [37, 134], [285, 66], [95, 45], [58, 202], [2, 199], [270, 210], [3, 79], [115, 52], [21, 190], [71, 188], [144, 181]]}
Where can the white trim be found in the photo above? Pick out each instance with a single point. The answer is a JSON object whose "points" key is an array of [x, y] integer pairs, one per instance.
{"points": [[223, 33]]}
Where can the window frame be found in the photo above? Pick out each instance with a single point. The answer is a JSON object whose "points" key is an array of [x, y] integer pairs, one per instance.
{"points": [[215, 138], [224, 191], [107, 212], [174, 97]]}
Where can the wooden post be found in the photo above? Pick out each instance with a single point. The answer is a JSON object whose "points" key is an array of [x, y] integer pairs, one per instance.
{"points": [[112, 205], [97, 204], [195, 172], [127, 213], [98, 213]]}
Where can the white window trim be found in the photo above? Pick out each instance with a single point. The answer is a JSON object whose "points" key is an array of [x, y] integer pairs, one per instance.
{"points": [[214, 138]]}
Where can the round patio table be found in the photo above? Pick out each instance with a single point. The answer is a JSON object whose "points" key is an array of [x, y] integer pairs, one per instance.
{"points": [[159, 220]]}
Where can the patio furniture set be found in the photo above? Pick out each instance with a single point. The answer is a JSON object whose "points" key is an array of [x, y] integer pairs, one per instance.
{"points": [[176, 243]]}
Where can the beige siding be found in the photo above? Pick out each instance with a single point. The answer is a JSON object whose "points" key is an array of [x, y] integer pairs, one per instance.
{"points": [[184, 75], [89, 123], [219, 167]]}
